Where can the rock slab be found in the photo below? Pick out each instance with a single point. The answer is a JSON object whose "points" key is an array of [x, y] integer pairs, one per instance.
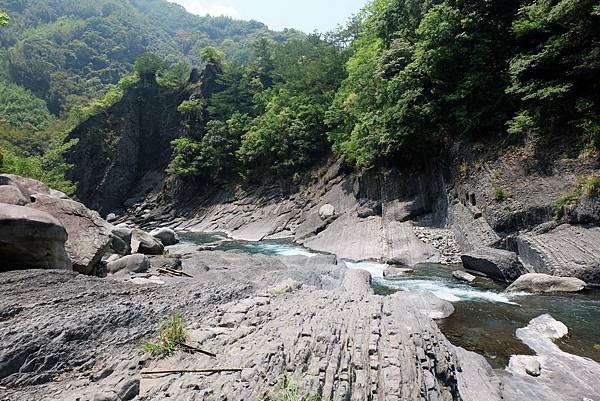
{"points": [[494, 263]]}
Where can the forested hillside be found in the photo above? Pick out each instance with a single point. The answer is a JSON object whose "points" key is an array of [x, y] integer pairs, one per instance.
{"points": [[401, 82]]}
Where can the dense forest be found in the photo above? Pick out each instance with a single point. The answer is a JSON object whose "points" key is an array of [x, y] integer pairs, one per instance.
{"points": [[400, 82]]}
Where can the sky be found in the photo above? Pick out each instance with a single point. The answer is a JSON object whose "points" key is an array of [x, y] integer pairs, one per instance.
{"points": [[305, 15]]}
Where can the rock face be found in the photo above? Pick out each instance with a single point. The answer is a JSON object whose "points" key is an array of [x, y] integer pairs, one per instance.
{"points": [[543, 283], [31, 239], [165, 235], [89, 235], [564, 251], [495, 263], [142, 242], [129, 264]]}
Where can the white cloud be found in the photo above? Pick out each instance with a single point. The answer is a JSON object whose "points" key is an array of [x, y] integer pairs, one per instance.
{"points": [[201, 7]]}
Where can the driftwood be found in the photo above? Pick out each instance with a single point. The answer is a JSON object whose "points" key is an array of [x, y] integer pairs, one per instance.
{"points": [[174, 273], [214, 370], [194, 349]]}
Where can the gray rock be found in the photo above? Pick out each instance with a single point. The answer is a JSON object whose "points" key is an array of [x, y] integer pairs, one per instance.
{"points": [[31, 239], [120, 246], [543, 283], [426, 303], [89, 235], [29, 186], [11, 195], [165, 235], [326, 211], [129, 264], [568, 251], [111, 217], [464, 276], [494, 263], [394, 271], [142, 242]]}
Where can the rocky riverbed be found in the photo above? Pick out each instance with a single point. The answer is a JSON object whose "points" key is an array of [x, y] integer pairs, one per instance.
{"points": [[74, 329]]}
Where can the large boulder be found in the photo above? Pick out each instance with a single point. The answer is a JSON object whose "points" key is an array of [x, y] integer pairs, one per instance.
{"points": [[89, 235], [29, 186], [129, 264], [121, 239], [543, 283], [165, 235], [142, 242], [30, 239], [494, 263]]}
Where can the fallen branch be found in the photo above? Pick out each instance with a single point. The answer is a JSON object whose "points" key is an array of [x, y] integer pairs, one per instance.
{"points": [[190, 348], [168, 273], [179, 272], [215, 370]]}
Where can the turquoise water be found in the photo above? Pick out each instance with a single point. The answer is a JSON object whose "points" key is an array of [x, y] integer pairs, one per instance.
{"points": [[485, 319]]}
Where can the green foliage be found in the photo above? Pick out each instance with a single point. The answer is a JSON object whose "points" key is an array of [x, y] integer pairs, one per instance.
{"points": [[421, 72], [148, 65], [110, 98], [21, 109], [289, 392], [67, 51], [500, 194], [170, 338], [49, 168], [585, 186], [555, 73], [4, 18], [262, 118], [210, 55]]}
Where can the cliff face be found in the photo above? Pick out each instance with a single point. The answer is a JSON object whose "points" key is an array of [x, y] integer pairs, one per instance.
{"points": [[120, 147]]}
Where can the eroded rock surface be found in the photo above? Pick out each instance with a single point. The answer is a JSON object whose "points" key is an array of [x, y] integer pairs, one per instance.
{"points": [[494, 263]]}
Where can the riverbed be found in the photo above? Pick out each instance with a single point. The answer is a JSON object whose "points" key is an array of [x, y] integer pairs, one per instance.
{"points": [[485, 319]]}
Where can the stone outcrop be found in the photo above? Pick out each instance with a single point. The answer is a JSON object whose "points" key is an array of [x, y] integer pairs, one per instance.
{"points": [[89, 235], [543, 283], [566, 250], [31, 239], [494, 263]]}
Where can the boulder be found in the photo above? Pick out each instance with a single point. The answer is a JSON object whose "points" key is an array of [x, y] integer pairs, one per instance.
{"points": [[11, 195], [111, 217], [494, 263], [165, 235], [31, 239], [426, 303], [543, 283], [464, 276], [393, 271], [142, 242], [89, 235], [29, 186], [119, 246], [326, 211], [129, 264]]}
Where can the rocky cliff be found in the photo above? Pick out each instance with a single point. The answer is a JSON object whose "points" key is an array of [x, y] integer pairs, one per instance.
{"points": [[125, 146]]}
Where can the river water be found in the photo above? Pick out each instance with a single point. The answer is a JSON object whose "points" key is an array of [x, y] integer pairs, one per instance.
{"points": [[485, 319]]}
